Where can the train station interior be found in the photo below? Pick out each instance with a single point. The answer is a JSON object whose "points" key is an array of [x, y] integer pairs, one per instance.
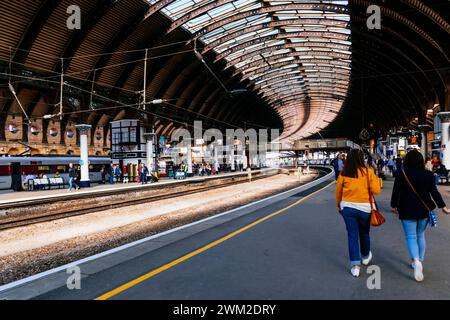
{"points": [[198, 149]]}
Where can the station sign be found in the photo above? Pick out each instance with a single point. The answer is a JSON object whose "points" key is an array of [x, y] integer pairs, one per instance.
{"points": [[435, 145], [128, 155]]}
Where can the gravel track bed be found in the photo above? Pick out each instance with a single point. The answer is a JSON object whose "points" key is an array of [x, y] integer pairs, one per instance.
{"points": [[23, 263]]}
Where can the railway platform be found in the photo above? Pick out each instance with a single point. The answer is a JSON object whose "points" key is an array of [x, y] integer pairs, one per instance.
{"points": [[288, 246], [12, 197]]}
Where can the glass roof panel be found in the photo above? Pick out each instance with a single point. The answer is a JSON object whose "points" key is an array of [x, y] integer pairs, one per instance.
{"points": [[287, 48]]}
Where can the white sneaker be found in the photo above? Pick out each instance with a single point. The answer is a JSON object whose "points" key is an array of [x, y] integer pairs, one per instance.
{"points": [[367, 261], [355, 271], [418, 271], [412, 265]]}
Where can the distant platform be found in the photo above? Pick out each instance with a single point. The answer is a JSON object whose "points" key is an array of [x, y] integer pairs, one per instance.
{"points": [[11, 197]]}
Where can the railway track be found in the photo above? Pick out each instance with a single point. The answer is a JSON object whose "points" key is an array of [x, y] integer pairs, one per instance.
{"points": [[18, 222]]}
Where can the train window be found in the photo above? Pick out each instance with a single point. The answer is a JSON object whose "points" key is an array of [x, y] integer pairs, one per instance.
{"points": [[61, 169], [5, 170]]}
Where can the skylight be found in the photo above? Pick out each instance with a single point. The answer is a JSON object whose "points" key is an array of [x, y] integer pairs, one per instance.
{"points": [[296, 53]]}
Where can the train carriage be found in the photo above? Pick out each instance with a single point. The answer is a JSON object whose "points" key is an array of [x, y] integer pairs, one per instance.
{"points": [[14, 169]]}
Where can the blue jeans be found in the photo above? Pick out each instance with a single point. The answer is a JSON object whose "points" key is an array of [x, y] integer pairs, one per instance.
{"points": [[415, 237], [358, 228], [71, 183]]}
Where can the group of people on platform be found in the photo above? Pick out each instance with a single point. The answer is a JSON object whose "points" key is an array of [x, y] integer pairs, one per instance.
{"points": [[113, 171], [413, 197], [203, 168], [394, 165]]}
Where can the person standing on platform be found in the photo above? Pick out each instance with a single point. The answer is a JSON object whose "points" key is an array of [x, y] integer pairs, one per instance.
{"points": [[143, 172], [428, 164], [353, 203], [111, 174], [435, 161], [117, 173], [391, 166], [413, 196], [335, 167], [398, 165], [380, 167], [73, 177], [338, 165], [103, 174]]}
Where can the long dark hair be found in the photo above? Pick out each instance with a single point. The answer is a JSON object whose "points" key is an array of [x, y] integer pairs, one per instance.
{"points": [[354, 163], [414, 160]]}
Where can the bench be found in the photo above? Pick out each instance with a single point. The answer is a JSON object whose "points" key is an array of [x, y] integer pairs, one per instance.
{"points": [[39, 184], [59, 182], [42, 184], [180, 175]]}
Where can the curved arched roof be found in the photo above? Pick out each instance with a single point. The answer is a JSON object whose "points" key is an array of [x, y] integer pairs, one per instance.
{"points": [[284, 48], [308, 66]]}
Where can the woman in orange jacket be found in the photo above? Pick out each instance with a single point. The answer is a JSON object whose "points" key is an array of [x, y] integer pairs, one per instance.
{"points": [[353, 203]]}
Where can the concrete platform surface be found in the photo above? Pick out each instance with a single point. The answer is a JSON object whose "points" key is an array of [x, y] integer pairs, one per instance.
{"points": [[294, 247]]}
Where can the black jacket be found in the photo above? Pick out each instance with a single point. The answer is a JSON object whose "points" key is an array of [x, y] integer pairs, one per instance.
{"points": [[72, 173], [406, 201]]}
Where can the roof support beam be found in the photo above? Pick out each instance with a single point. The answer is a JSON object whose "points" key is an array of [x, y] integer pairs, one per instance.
{"points": [[39, 20]]}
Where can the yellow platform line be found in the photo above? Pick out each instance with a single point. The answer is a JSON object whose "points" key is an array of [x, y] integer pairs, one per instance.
{"points": [[188, 256]]}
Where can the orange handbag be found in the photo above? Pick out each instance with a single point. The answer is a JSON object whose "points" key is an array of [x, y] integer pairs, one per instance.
{"points": [[376, 218]]}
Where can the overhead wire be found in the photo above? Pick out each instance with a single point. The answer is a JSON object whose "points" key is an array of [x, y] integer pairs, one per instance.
{"points": [[2, 48], [71, 74]]}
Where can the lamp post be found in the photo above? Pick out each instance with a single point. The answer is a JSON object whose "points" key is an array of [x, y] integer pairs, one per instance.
{"points": [[150, 150], [247, 151], [189, 155], [84, 154]]}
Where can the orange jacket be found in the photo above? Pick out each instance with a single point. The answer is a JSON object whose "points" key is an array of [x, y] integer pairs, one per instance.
{"points": [[356, 189]]}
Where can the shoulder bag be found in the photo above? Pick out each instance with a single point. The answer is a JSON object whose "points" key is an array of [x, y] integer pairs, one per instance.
{"points": [[376, 218], [432, 217]]}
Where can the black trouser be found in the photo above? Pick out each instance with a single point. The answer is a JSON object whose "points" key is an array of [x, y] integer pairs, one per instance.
{"points": [[336, 174]]}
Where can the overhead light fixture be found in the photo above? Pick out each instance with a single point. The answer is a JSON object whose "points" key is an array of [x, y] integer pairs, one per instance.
{"points": [[238, 91], [158, 101], [50, 116]]}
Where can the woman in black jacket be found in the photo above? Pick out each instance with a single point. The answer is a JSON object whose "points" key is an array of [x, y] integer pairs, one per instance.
{"points": [[413, 209]]}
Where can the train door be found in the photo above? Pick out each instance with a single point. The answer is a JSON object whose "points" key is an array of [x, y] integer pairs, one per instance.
{"points": [[16, 180]]}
